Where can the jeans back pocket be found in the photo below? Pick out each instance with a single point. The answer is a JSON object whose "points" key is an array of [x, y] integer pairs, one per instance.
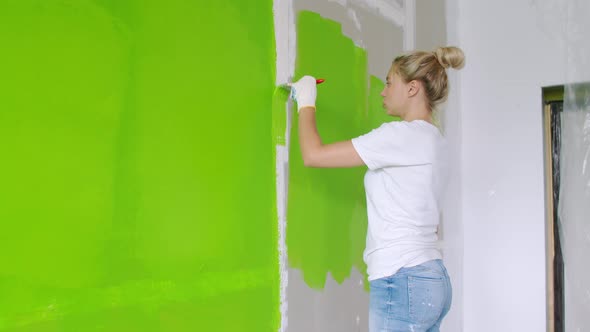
{"points": [[426, 297]]}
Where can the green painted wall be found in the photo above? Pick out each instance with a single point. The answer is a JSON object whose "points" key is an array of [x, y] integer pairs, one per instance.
{"points": [[326, 217], [137, 172]]}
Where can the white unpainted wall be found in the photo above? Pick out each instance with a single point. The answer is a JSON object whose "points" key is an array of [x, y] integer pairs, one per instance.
{"points": [[513, 49]]}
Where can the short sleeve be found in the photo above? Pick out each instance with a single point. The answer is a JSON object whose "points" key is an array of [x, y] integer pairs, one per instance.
{"points": [[395, 144]]}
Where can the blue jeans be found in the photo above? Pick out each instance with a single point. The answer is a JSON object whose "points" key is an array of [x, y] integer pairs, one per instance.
{"points": [[414, 299]]}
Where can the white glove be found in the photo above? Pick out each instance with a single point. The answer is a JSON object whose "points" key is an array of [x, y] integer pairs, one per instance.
{"points": [[304, 92]]}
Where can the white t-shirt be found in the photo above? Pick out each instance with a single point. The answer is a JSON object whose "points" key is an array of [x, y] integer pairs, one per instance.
{"points": [[407, 164]]}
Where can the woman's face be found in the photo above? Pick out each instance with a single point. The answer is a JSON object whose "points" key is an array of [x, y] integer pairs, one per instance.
{"points": [[395, 95]]}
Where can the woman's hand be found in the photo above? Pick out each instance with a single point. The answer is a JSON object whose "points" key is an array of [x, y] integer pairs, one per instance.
{"points": [[304, 92]]}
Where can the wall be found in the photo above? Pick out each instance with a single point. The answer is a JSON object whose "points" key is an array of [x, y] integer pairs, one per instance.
{"points": [[352, 47], [137, 166], [117, 180], [513, 49]]}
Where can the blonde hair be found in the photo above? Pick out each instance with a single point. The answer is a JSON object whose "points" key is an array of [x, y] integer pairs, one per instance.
{"points": [[430, 69]]}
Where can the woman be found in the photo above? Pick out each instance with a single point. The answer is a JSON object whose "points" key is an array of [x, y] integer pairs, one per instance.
{"points": [[409, 286]]}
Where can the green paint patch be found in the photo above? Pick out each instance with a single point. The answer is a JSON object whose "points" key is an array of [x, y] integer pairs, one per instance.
{"points": [[327, 220], [138, 177]]}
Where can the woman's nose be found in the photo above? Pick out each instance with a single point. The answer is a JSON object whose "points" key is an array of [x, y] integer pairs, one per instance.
{"points": [[383, 93]]}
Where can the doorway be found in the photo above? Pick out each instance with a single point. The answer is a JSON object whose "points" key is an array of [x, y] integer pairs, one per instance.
{"points": [[552, 110]]}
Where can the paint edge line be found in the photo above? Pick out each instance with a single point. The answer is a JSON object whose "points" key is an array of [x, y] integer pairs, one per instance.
{"points": [[284, 27]]}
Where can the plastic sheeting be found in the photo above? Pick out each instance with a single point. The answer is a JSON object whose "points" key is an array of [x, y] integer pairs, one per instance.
{"points": [[574, 200]]}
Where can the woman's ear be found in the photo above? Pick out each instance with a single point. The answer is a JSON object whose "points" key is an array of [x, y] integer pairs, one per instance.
{"points": [[413, 88]]}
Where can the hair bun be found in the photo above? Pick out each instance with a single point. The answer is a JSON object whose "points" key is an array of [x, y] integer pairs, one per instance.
{"points": [[450, 56]]}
